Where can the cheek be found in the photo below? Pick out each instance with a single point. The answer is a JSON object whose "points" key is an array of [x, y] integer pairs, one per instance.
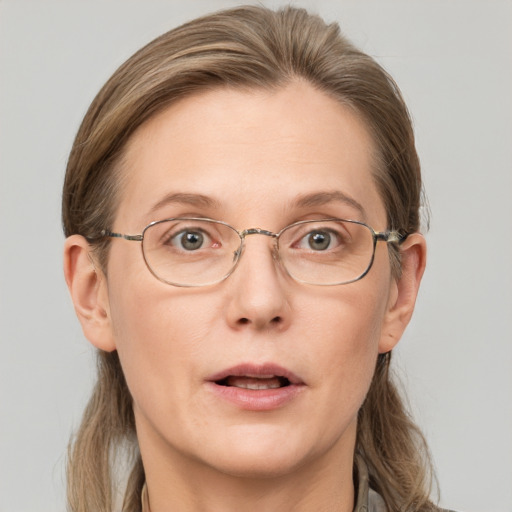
{"points": [[158, 332], [345, 331], [145, 313], [350, 318]]}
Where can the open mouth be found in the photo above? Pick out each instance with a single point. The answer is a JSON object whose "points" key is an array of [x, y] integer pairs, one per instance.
{"points": [[254, 383], [256, 387]]}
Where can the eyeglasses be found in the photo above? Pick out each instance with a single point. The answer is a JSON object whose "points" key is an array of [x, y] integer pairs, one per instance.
{"points": [[189, 251]]}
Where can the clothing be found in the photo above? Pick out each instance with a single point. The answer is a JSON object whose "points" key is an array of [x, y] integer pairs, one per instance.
{"points": [[367, 500]]}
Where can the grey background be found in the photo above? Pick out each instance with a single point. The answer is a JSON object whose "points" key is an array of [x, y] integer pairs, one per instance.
{"points": [[453, 62]]}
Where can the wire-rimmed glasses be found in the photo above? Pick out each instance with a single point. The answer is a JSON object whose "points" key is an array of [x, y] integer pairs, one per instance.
{"points": [[195, 251]]}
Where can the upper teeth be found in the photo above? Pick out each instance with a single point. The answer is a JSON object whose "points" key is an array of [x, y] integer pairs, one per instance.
{"points": [[249, 382], [258, 385]]}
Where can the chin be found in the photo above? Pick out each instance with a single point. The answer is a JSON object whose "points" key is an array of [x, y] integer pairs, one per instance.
{"points": [[266, 453], [261, 466]]}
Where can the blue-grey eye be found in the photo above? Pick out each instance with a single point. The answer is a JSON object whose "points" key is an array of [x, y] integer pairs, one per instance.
{"points": [[189, 240], [319, 240]]}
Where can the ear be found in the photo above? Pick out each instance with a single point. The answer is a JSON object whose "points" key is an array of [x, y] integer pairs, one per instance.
{"points": [[404, 291], [88, 288]]}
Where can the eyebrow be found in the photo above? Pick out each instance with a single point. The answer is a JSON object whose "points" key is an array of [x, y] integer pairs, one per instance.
{"points": [[304, 201], [324, 198], [199, 200]]}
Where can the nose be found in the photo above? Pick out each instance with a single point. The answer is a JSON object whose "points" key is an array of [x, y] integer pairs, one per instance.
{"points": [[258, 289]]}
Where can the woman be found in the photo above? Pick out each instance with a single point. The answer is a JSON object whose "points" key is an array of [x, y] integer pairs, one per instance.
{"points": [[267, 169]]}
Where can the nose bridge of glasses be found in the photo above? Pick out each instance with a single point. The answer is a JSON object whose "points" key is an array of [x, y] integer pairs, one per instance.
{"points": [[257, 231]]}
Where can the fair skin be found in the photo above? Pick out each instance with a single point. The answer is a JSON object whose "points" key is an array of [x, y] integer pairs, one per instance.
{"points": [[255, 154]]}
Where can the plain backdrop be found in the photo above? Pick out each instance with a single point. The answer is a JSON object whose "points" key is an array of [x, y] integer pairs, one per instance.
{"points": [[453, 62]]}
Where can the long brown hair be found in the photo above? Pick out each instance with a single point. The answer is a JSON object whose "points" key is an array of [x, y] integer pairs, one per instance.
{"points": [[245, 47]]}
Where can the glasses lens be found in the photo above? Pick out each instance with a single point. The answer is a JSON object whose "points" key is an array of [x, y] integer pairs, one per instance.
{"points": [[326, 252], [189, 251]]}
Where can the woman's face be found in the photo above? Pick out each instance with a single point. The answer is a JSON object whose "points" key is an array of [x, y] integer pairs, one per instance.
{"points": [[252, 159]]}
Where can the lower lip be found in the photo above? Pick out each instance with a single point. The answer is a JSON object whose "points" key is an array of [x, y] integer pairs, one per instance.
{"points": [[256, 399]]}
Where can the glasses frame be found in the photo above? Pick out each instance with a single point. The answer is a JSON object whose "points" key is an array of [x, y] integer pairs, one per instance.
{"points": [[378, 236]]}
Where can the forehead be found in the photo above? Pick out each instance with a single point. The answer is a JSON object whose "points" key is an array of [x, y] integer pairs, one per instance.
{"points": [[254, 153]]}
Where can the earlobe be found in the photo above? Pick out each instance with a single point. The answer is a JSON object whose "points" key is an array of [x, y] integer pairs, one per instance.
{"points": [[88, 288], [404, 291]]}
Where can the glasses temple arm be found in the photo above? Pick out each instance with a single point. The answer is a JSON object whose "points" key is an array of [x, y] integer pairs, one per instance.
{"points": [[391, 236], [111, 234]]}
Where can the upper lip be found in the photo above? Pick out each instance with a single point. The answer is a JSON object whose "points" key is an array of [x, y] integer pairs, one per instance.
{"points": [[251, 370]]}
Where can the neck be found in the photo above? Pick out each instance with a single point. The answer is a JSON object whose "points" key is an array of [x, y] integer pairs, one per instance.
{"points": [[324, 483]]}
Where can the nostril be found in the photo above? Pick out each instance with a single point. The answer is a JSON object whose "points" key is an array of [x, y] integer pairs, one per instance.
{"points": [[275, 320]]}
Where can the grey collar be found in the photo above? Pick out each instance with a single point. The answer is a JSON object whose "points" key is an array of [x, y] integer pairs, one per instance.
{"points": [[367, 499]]}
